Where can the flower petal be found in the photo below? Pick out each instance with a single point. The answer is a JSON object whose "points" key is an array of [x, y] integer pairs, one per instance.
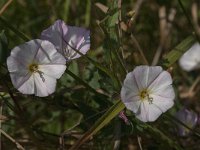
{"points": [[16, 65], [22, 55], [162, 81], [188, 65], [24, 83], [144, 75], [162, 103], [148, 112], [134, 105], [54, 71], [167, 92], [47, 54], [154, 112], [44, 85], [142, 113], [129, 88], [190, 59], [79, 39], [67, 38], [55, 34]]}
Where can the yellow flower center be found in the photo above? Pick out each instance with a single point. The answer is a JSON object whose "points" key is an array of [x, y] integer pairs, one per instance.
{"points": [[33, 68], [144, 94]]}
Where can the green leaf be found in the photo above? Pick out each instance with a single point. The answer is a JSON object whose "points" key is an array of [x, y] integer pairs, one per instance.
{"points": [[172, 57], [113, 14], [177, 52], [94, 82]]}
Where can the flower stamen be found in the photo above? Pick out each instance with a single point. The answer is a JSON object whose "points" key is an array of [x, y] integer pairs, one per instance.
{"points": [[41, 75], [144, 94], [33, 68], [150, 99]]}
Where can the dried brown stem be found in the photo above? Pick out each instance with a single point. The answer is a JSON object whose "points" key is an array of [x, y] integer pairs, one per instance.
{"points": [[139, 142], [165, 28], [19, 146], [5, 6], [194, 12]]}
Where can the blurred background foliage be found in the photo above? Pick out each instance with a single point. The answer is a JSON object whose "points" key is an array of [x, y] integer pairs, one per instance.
{"points": [[144, 31]]}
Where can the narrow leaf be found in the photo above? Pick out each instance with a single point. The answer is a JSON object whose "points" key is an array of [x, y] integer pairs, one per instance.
{"points": [[177, 52]]}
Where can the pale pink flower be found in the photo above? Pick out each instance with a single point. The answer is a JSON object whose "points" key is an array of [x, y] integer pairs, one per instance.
{"points": [[67, 38], [148, 92], [34, 67]]}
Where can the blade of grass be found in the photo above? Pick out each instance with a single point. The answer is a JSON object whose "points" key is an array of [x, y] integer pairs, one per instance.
{"points": [[87, 14], [66, 10]]}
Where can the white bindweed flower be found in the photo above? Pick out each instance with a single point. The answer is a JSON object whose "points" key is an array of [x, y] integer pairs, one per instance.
{"points": [[34, 67], [148, 92], [191, 59], [67, 38]]}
